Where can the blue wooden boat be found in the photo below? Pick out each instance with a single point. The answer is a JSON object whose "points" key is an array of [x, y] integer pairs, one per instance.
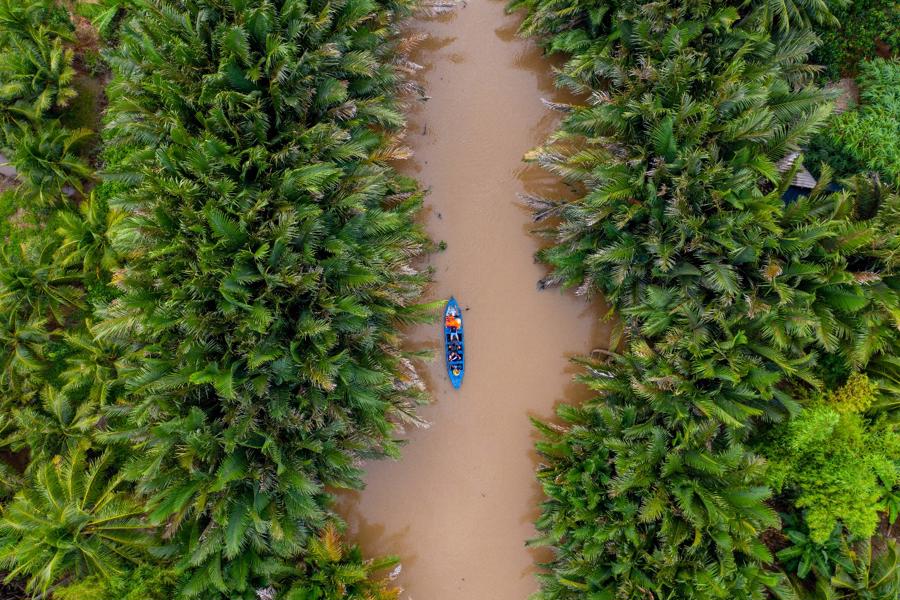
{"points": [[454, 343]]}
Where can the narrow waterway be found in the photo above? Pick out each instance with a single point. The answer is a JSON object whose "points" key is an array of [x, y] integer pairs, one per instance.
{"points": [[460, 504]]}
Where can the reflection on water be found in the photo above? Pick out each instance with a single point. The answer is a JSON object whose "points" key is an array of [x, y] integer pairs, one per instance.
{"points": [[460, 504]]}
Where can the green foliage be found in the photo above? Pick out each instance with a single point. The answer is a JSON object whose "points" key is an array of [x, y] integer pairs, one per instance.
{"points": [[865, 28], [35, 62], [333, 571], [54, 379], [33, 285], [871, 573], [54, 376], [837, 463], [805, 555], [261, 268], [57, 426], [86, 110], [71, 520], [824, 150], [15, 223], [219, 317], [107, 16], [642, 497], [84, 237], [869, 133], [865, 571], [41, 111], [46, 157], [146, 582], [330, 570], [855, 396], [728, 298]]}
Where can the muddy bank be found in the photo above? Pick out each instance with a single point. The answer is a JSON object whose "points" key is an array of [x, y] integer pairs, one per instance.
{"points": [[460, 504]]}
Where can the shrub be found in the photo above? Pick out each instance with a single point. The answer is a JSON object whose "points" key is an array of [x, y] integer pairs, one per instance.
{"points": [[863, 25], [823, 149], [855, 396], [333, 570], [145, 582], [804, 555], [869, 133], [837, 466], [865, 571], [839, 463], [868, 571]]}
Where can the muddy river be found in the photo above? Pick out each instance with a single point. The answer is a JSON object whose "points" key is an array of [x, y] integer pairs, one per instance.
{"points": [[459, 505]]}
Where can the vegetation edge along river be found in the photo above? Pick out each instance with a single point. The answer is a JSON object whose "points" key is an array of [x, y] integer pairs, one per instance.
{"points": [[196, 347], [756, 381]]}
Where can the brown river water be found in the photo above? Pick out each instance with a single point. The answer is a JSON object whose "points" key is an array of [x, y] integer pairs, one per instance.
{"points": [[459, 506]]}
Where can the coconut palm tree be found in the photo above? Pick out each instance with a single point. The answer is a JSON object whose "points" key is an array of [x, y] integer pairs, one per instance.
{"points": [[35, 286], [334, 570], [58, 425], [85, 239], [35, 61], [45, 155], [23, 359], [71, 520]]}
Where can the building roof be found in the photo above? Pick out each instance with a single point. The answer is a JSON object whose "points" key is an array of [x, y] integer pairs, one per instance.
{"points": [[803, 178]]}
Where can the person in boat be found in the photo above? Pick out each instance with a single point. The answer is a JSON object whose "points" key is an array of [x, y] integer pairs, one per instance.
{"points": [[452, 321], [455, 371], [455, 353]]}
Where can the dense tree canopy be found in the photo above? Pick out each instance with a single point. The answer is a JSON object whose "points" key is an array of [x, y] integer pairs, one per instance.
{"points": [[734, 306], [267, 264], [219, 319]]}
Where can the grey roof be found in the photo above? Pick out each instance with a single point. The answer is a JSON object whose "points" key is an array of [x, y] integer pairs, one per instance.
{"points": [[803, 178]]}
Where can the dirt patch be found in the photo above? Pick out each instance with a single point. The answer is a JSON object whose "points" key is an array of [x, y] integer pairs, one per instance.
{"points": [[8, 183], [848, 94], [13, 590]]}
